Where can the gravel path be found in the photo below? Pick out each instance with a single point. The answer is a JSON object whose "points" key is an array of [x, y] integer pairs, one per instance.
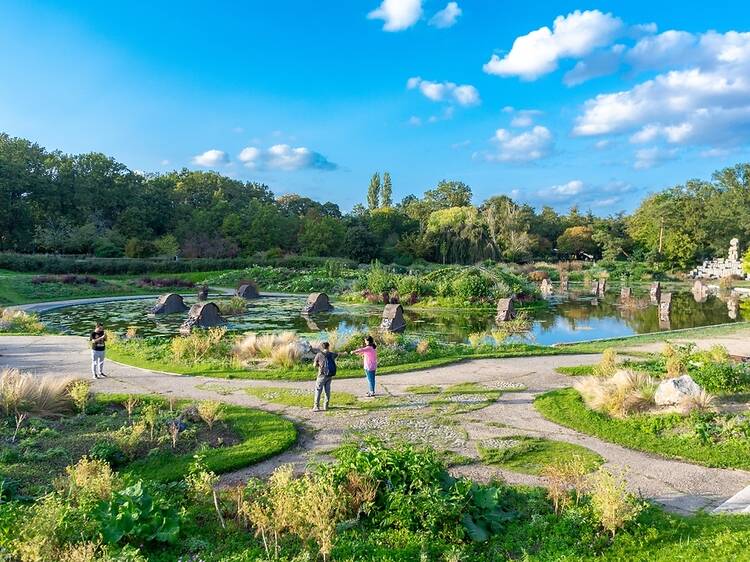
{"points": [[679, 486]]}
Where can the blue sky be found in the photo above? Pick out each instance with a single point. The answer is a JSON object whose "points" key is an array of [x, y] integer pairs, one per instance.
{"points": [[560, 104]]}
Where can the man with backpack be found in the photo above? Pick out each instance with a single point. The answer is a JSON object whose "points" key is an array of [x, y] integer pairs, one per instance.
{"points": [[325, 361]]}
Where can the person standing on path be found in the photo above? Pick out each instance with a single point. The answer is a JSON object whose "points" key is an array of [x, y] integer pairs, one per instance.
{"points": [[370, 355], [325, 361], [98, 340]]}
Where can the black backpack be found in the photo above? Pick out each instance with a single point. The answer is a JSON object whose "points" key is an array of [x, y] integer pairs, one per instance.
{"points": [[330, 364]]}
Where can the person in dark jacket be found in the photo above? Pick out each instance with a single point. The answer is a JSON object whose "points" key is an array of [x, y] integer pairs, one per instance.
{"points": [[98, 339], [325, 362]]}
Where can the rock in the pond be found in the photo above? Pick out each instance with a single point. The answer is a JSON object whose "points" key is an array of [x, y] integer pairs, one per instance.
{"points": [[247, 290], [393, 319], [317, 302], [202, 315], [169, 304], [672, 391]]}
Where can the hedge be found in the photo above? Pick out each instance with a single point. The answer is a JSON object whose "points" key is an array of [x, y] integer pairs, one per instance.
{"points": [[134, 266]]}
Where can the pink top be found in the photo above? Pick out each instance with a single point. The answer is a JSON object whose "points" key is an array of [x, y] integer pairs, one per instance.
{"points": [[370, 355]]}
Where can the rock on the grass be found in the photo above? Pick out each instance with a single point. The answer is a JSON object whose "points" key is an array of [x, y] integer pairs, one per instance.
{"points": [[673, 391]]}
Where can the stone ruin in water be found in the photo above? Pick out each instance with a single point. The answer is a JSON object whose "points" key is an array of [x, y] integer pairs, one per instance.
{"points": [[718, 268], [505, 311], [626, 293], [203, 293], [393, 319], [700, 291], [247, 290], [202, 315], [317, 302], [545, 288], [655, 292], [169, 304]]}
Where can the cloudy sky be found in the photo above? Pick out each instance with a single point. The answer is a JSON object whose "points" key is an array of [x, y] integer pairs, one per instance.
{"points": [[564, 103]]}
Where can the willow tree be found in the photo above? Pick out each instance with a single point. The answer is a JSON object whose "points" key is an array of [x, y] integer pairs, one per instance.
{"points": [[460, 235]]}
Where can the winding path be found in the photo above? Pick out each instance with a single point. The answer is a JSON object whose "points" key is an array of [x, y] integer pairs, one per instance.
{"points": [[679, 486]]}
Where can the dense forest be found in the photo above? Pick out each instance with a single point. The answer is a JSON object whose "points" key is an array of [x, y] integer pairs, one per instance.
{"points": [[92, 204]]}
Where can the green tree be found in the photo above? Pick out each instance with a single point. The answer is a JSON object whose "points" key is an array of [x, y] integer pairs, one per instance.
{"points": [[575, 240], [448, 194], [386, 197], [373, 192], [460, 235], [321, 236]]}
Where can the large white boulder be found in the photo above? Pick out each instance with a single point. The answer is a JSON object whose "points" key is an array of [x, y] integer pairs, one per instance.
{"points": [[672, 391]]}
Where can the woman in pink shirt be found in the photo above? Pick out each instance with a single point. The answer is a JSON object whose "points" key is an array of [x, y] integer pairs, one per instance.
{"points": [[370, 356]]}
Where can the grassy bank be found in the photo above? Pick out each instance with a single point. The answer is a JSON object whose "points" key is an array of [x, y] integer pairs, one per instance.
{"points": [[670, 435]]}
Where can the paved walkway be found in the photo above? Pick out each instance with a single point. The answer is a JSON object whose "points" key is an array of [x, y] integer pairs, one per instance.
{"points": [[679, 486]]}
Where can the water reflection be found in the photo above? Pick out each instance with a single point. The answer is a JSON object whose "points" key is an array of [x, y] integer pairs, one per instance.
{"points": [[575, 316]]}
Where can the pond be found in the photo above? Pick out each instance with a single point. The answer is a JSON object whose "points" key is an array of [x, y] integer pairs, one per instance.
{"points": [[574, 317]]}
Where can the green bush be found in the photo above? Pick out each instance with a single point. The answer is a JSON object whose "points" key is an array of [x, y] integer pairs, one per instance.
{"points": [[722, 377], [108, 451], [472, 286]]}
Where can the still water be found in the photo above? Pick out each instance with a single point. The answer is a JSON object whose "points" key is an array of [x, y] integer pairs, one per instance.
{"points": [[570, 318]]}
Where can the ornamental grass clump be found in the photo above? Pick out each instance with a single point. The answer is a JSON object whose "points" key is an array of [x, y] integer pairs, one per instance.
{"points": [[622, 394], [286, 355], [254, 346], [19, 322], [198, 346], [24, 392]]}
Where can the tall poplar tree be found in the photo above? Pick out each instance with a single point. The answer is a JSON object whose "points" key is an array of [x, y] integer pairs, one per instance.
{"points": [[386, 195], [373, 192]]}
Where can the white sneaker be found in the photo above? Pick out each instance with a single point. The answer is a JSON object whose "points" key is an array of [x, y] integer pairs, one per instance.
{"points": [[316, 409]]}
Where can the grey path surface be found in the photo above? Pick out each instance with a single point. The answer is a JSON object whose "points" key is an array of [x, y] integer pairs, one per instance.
{"points": [[679, 486]]}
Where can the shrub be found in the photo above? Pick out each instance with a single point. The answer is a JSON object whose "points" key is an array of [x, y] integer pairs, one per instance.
{"points": [[423, 346], [163, 282], [612, 505], [722, 377], [378, 280], [472, 287], [108, 451], [130, 438], [19, 322], [235, 305], [210, 412], [608, 363], [80, 394], [476, 339], [538, 276], [89, 478], [562, 477]]}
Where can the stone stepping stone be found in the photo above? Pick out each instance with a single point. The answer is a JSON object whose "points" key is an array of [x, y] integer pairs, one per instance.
{"points": [[738, 503]]}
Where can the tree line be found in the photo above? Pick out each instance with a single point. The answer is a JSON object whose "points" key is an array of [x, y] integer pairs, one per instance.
{"points": [[92, 204]]}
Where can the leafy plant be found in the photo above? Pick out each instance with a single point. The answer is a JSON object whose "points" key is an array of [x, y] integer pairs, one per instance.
{"points": [[80, 394], [612, 504], [210, 412], [137, 514], [486, 513]]}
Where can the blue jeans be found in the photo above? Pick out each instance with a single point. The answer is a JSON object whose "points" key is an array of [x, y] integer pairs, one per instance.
{"points": [[370, 380]]}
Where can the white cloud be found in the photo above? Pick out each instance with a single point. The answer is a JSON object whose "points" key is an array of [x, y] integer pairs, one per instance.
{"points": [[602, 144], [572, 36], [462, 144], [397, 15], [211, 158], [521, 117], [415, 121], [707, 102], [446, 17], [284, 157], [165, 162], [464, 94], [526, 146], [650, 157], [238, 130], [581, 193]]}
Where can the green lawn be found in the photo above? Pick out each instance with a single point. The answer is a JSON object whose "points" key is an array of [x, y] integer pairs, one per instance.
{"points": [[154, 354], [17, 288], [663, 434], [529, 455]]}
